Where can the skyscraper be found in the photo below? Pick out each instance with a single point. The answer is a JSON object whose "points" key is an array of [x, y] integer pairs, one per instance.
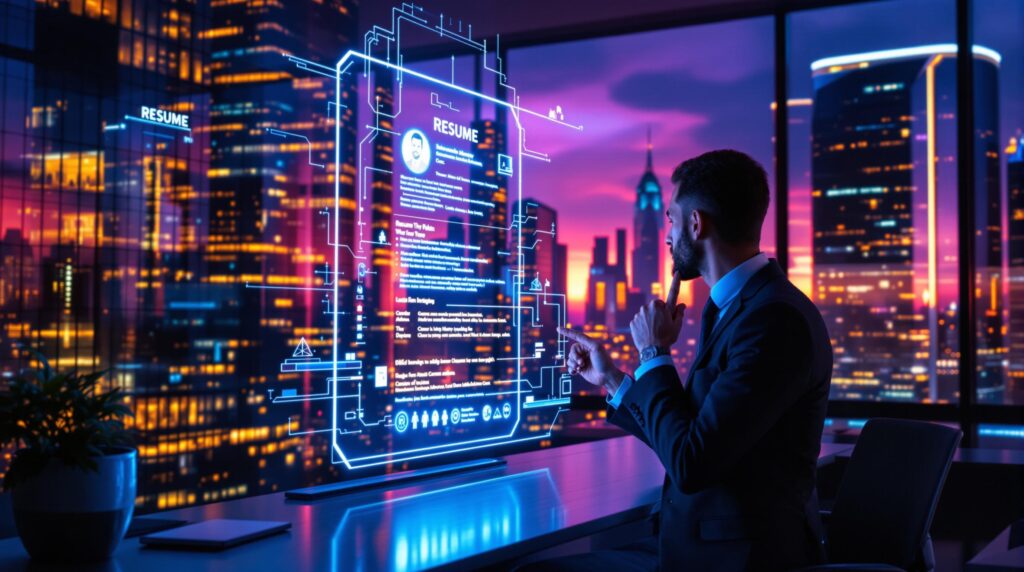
{"points": [[1015, 224], [883, 169], [648, 221], [271, 150], [610, 302]]}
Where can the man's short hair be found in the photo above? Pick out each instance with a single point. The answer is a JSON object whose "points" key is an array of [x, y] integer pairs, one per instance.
{"points": [[731, 188], [415, 136]]}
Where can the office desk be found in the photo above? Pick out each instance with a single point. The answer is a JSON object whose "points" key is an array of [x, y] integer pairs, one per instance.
{"points": [[539, 500], [998, 556]]}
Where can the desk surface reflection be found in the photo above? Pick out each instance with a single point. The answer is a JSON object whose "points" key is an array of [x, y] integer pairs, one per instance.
{"points": [[540, 499]]}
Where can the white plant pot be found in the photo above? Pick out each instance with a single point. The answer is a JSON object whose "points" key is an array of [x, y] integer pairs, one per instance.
{"points": [[71, 515]]}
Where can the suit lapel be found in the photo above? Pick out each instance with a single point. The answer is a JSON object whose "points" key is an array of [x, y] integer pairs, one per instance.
{"points": [[756, 282], [731, 312]]}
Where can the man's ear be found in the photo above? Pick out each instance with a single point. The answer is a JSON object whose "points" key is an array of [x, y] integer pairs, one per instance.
{"points": [[698, 227]]}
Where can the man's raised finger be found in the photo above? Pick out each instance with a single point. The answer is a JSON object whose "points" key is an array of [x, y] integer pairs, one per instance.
{"points": [[578, 337], [673, 291]]}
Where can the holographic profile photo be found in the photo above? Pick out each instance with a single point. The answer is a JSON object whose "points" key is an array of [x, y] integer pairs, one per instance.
{"points": [[416, 151]]}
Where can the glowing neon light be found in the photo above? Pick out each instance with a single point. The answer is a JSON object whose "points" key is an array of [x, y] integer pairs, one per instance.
{"points": [[930, 50]]}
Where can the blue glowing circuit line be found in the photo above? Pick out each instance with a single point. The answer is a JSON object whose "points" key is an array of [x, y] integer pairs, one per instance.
{"points": [[445, 33], [311, 67], [434, 101], [157, 123], [312, 431], [329, 243], [309, 144], [308, 396], [334, 287], [160, 135], [388, 131], [511, 106], [329, 104], [294, 398], [362, 180], [546, 403], [403, 458]]}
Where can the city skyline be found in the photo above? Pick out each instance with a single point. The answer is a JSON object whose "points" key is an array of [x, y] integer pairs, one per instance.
{"points": [[171, 260]]}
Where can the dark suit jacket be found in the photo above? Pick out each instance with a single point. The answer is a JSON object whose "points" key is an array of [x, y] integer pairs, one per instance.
{"points": [[740, 440]]}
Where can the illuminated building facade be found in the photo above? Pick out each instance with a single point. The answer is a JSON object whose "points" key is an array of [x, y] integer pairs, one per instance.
{"points": [[134, 239], [108, 214], [610, 301], [271, 165], [1015, 245], [884, 276]]}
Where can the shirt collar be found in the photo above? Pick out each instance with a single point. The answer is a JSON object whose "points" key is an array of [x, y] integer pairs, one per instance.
{"points": [[730, 285]]}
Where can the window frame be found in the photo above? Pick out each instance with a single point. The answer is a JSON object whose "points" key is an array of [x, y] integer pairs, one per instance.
{"points": [[967, 412]]}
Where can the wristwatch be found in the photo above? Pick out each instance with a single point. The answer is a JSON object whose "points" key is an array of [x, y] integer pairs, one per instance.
{"points": [[651, 352]]}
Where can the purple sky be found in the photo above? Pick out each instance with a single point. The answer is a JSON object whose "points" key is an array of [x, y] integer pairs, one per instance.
{"points": [[698, 88]]}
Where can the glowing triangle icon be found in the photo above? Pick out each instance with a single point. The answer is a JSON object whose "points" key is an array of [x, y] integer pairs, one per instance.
{"points": [[302, 350]]}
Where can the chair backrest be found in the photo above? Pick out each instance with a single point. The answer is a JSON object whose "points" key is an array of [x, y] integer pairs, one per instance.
{"points": [[886, 500]]}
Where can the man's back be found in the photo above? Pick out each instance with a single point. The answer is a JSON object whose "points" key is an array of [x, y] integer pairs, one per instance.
{"points": [[740, 440]]}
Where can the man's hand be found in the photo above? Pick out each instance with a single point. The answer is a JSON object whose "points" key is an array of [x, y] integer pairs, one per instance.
{"points": [[588, 358], [658, 323]]}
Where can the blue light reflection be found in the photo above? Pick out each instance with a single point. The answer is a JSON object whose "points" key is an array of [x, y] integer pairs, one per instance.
{"points": [[440, 526]]}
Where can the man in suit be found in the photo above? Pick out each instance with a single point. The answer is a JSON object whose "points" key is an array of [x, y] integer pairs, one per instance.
{"points": [[739, 439]]}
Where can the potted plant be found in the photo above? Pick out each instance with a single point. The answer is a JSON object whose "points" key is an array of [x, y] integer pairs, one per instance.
{"points": [[72, 477]]}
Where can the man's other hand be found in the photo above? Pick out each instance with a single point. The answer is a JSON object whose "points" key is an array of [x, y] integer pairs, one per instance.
{"points": [[658, 323], [588, 358]]}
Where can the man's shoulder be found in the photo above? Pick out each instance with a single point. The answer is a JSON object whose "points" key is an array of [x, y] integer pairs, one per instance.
{"points": [[781, 310], [780, 298], [781, 291]]}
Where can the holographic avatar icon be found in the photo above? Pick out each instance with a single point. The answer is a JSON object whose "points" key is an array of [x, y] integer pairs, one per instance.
{"points": [[401, 421], [416, 151]]}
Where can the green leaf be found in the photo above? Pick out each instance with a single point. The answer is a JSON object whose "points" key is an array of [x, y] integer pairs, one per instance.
{"points": [[58, 415]]}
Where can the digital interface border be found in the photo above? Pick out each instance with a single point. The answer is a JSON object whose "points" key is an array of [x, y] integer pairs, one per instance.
{"points": [[408, 305]]}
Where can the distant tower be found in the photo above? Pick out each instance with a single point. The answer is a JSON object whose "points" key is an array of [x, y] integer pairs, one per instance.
{"points": [[648, 218]]}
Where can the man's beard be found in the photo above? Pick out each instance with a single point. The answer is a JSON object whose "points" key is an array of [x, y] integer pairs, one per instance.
{"points": [[685, 258]]}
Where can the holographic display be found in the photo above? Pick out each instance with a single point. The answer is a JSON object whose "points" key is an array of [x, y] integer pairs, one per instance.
{"points": [[442, 323]]}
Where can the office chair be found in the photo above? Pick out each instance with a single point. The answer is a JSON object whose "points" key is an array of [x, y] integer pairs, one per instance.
{"points": [[886, 500]]}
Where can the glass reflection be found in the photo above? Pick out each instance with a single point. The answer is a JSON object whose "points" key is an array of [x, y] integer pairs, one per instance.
{"points": [[431, 528]]}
